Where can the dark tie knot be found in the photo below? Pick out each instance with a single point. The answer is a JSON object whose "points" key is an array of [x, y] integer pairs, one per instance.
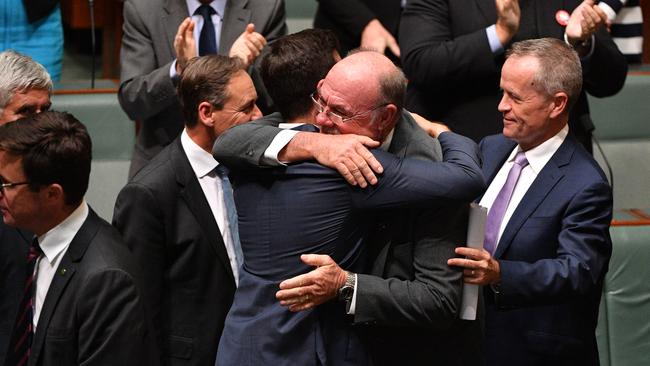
{"points": [[34, 249], [520, 159], [221, 171], [206, 11]]}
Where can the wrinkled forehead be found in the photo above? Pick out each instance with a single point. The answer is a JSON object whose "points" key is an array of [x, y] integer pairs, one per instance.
{"points": [[356, 90]]}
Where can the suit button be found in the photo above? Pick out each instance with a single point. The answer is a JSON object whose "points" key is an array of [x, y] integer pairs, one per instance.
{"points": [[249, 153]]}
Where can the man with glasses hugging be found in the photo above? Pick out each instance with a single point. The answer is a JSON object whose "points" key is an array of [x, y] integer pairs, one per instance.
{"points": [[409, 296]]}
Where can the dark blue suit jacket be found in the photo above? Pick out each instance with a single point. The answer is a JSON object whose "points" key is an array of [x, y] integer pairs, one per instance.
{"points": [[307, 208], [553, 255]]}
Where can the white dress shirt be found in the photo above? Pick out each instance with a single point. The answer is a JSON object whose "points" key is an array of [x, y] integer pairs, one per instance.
{"points": [[537, 159], [54, 245], [203, 165]]}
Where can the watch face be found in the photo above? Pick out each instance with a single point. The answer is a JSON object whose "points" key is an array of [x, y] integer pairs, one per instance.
{"points": [[346, 292]]}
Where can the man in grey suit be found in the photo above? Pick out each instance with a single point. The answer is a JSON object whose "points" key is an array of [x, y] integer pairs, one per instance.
{"points": [[174, 216], [408, 284], [158, 40]]}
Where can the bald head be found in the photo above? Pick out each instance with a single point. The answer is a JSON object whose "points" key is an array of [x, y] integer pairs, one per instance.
{"points": [[373, 75], [364, 94]]}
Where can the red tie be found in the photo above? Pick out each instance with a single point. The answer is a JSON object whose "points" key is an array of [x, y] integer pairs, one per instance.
{"points": [[21, 338]]}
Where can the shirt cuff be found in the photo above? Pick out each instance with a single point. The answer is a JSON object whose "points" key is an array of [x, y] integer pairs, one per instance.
{"points": [[592, 46], [353, 303], [281, 140], [495, 45], [172, 71]]}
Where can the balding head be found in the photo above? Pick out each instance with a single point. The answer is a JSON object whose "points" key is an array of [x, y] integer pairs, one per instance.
{"points": [[367, 90]]}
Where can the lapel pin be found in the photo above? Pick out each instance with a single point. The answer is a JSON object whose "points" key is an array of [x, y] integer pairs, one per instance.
{"points": [[562, 17], [63, 271]]}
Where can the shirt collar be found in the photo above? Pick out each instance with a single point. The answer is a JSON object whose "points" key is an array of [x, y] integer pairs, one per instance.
{"points": [[202, 162], [540, 155], [57, 240], [218, 5], [387, 141]]}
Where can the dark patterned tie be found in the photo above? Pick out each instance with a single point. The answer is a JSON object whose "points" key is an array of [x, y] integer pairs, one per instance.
{"points": [[21, 338], [207, 38], [500, 204]]}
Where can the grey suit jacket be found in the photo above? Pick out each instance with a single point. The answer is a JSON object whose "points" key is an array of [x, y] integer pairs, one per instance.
{"points": [[94, 311], [409, 295], [147, 93]]}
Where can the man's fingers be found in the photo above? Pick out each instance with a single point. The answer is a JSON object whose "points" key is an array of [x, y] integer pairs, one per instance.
{"points": [[346, 174], [250, 28], [316, 260], [298, 281], [392, 45], [472, 253], [462, 262]]}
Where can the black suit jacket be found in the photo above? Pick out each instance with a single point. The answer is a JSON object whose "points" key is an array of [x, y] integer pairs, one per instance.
{"points": [[14, 246], [409, 297], [348, 19], [166, 221], [454, 77], [94, 311]]}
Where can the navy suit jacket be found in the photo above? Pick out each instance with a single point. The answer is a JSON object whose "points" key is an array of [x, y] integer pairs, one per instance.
{"points": [[307, 208], [553, 255]]}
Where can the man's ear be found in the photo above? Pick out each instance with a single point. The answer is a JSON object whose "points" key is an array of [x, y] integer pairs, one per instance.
{"points": [[560, 102], [205, 111], [53, 193]]}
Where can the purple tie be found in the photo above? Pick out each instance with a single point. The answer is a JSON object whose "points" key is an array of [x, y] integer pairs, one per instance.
{"points": [[498, 209]]}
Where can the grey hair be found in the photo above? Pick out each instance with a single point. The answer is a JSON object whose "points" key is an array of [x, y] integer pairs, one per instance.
{"points": [[19, 73], [559, 66]]}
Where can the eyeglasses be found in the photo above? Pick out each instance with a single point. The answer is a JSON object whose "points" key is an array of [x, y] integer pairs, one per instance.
{"points": [[335, 117], [4, 185]]}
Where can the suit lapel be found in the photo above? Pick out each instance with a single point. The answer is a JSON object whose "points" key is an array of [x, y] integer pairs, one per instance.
{"points": [[194, 197], [173, 14], [494, 155], [64, 273], [550, 175], [235, 19], [488, 9]]}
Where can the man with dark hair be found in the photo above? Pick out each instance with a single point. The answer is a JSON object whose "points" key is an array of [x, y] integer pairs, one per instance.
{"points": [[307, 209], [25, 88], [547, 243], [177, 215], [292, 67], [82, 301]]}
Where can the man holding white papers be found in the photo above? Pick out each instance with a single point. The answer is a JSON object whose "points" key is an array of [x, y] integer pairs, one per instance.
{"points": [[547, 243]]}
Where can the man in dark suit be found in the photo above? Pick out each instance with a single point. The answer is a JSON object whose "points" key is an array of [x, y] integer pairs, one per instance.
{"points": [[370, 24], [82, 301], [25, 87], [174, 215], [432, 297], [158, 40], [547, 243], [452, 52]]}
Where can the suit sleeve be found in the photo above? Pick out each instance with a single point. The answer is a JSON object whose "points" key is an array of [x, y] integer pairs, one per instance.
{"points": [[351, 16], [145, 88], [244, 145], [430, 54], [113, 326], [418, 182], [604, 72], [432, 298], [583, 251], [138, 217], [277, 24]]}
